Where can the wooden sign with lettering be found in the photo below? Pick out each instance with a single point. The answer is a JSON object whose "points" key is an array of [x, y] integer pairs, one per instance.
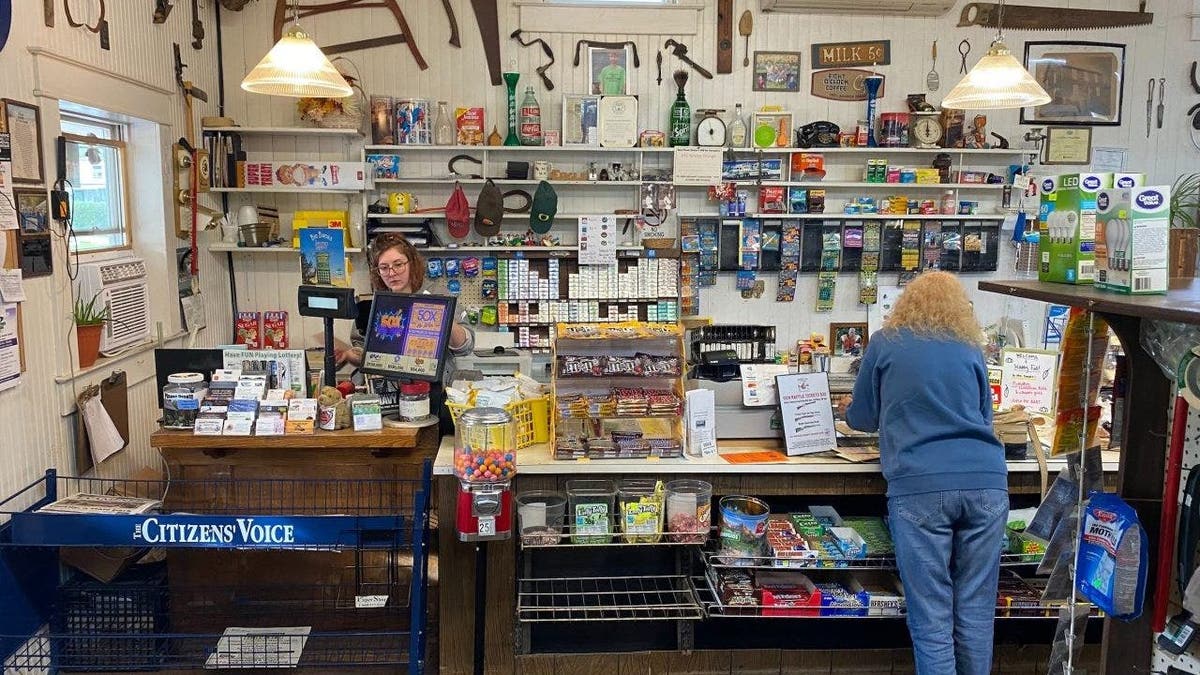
{"points": [[845, 54], [842, 84]]}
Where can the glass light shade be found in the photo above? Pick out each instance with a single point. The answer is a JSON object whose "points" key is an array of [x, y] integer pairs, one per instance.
{"points": [[998, 81], [295, 66]]}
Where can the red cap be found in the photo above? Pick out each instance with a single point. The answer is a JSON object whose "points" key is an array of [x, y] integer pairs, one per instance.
{"points": [[414, 388]]}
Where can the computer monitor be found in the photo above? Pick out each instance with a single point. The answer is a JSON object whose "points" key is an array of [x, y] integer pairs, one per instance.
{"points": [[407, 336]]}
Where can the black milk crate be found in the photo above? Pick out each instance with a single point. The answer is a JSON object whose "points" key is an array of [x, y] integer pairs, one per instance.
{"points": [[101, 626]]}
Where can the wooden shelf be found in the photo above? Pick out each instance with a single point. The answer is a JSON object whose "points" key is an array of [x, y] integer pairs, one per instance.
{"points": [[843, 216], [877, 186], [383, 149], [449, 180], [344, 438], [1011, 152], [284, 131], [262, 250], [294, 191], [1181, 303]]}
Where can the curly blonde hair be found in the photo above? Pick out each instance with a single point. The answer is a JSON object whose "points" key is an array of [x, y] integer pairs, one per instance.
{"points": [[936, 304]]}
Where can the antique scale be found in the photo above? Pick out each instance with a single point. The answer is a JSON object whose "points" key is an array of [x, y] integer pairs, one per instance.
{"points": [[711, 130], [926, 130]]}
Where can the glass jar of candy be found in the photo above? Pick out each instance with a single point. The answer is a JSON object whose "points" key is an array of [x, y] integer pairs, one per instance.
{"points": [[412, 404], [485, 446], [181, 400]]}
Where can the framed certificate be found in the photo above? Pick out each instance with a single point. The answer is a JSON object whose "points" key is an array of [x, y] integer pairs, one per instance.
{"points": [[24, 125], [618, 121], [1068, 145]]}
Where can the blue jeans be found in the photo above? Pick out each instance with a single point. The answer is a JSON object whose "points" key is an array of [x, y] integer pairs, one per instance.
{"points": [[948, 552]]}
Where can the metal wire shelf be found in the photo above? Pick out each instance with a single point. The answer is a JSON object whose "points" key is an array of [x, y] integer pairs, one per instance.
{"points": [[546, 539], [633, 598], [719, 560]]}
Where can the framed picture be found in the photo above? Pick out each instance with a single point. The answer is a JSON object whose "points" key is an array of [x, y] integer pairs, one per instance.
{"points": [[776, 71], [1068, 145], [848, 339], [580, 120], [608, 69], [1085, 81], [772, 130], [24, 122], [33, 210]]}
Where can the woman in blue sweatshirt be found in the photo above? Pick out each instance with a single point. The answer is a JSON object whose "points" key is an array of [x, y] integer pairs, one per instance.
{"points": [[923, 386]]}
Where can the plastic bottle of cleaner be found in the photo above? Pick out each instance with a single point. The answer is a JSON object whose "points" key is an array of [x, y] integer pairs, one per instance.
{"points": [[529, 130]]}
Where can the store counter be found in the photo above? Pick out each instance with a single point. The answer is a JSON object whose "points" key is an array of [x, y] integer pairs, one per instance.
{"points": [[809, 479]]}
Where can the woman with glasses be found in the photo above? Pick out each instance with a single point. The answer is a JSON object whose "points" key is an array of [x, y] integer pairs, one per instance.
{"points": [[396, 266]]}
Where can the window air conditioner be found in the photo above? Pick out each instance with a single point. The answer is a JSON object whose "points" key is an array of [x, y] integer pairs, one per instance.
{"points": [[122, 288], [906, 7]]}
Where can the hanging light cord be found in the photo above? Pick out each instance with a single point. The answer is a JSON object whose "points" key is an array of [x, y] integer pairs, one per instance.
{"points": [[1000, 21]]}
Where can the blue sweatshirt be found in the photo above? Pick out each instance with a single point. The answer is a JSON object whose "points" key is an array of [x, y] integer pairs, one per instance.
{"points": [[930, 401]]}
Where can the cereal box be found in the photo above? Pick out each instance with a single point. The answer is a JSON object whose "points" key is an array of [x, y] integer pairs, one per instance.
{"points": [[469, 124], [275, 330], [248, 329]]}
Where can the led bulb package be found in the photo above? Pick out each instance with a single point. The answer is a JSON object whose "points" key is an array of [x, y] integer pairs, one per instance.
{"points": [[1067, 217], [1134, 226]]}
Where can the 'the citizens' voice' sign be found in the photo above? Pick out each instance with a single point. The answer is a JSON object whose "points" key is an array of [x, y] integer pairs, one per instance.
{"points": [[242, 531]]}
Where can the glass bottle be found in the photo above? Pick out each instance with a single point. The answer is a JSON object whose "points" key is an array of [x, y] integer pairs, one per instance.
{"points": [[681, 120], [443, 129], [738, 133], [529, 129], [948, 203]]}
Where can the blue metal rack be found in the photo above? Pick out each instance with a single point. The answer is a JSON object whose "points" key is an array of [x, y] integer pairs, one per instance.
{"points": [[99, 627]]}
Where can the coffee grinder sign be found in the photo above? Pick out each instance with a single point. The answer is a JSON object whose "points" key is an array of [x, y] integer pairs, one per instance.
{"points": [[845, 54]]}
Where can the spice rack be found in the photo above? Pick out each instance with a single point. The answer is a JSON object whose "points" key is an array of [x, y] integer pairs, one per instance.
{"points": [[618, 391]]}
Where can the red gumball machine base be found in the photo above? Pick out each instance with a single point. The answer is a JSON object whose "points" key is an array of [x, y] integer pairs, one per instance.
{"points": [[484, 511]]}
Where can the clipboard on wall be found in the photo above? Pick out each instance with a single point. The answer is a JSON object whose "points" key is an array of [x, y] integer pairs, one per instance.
{"points": [[114, 397], [12, 260]]}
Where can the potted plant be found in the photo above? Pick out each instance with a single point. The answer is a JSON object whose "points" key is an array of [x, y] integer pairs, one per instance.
{"points": [[89, 324], [1185, 226]]}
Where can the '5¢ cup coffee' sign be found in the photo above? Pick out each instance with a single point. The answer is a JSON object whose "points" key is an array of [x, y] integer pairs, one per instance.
{"points": [[845, 54]]}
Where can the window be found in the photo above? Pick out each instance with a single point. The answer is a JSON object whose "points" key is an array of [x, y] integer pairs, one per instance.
{"points": [[97, 168]]}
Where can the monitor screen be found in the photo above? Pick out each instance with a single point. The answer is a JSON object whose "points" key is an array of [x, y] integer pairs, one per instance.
{"points": [[407, 335]]}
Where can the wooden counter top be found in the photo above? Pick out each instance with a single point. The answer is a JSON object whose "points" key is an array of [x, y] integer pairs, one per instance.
{"points": [[537, 460], [344, 438], [1181, 303]]}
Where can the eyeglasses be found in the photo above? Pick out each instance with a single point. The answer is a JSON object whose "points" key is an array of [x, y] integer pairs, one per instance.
{"points": [[394, 267]]}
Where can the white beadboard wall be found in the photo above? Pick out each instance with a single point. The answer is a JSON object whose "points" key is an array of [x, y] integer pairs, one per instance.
{"points": [[34, 433]]}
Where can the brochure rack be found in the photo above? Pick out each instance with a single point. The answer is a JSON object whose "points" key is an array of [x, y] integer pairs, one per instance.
{"points": [[371, 615]]}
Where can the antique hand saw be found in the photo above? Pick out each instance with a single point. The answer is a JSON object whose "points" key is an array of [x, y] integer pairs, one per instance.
{"points": [[1026, 17], [302, 10]]}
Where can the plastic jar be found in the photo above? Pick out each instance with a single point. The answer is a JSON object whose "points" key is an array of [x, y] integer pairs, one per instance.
{"points": [[948, 204], [540, 517], [485, 446], [590, 510], [181, 400], [689, 510], [413, 402], [641, 501]]}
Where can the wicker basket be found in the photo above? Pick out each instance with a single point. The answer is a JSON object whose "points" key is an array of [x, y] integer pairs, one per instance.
{"points": [[532, 417], [350, 110]]}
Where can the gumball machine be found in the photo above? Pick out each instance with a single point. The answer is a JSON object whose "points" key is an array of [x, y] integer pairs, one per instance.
{"points": [[485, 461]]}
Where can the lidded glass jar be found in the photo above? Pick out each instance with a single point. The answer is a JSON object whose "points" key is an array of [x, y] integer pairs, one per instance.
{"points": [[413, 402], [485, 446], [181, 400]]}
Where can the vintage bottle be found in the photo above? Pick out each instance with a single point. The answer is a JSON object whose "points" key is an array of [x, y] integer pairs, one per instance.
{"points": [[529, 129], [737, 129], [443, 129], [681, 121]]}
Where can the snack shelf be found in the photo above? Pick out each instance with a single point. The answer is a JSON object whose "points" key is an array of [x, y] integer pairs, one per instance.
{"points": [[715, 608], [563, 541], [718, 560], [629, 598], [590, 454]]}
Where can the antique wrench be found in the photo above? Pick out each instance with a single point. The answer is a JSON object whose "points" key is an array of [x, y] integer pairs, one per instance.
{"points": [[681, 51]]}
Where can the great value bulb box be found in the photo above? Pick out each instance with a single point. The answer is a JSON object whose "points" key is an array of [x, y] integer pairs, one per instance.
{"points": [[1067, 225], [1132, 235]]}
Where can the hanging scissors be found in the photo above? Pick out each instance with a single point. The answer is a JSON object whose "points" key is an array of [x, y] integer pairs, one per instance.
{"points": [[964, 48]]}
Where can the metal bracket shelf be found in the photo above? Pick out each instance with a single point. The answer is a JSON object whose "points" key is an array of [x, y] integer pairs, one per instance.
{"points": [[635, 598]]}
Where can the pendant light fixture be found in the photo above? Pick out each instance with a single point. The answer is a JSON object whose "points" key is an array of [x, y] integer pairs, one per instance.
{"points": [[998, 81], [296, 67]]}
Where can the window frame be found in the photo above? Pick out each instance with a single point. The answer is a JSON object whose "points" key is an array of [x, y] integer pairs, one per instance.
{"points": [[121, 147]]}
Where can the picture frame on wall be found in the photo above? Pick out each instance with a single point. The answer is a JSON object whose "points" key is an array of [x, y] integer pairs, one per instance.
{"points": [[1068, 145], [776, 71], [23, 121], [33, 210], [580, 120], [1085, 81], [608, 71], [848, 339]]}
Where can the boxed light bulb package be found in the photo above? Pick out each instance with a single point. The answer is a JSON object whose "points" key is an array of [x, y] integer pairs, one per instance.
{"points": [[1067, 223], [1132, 235]]}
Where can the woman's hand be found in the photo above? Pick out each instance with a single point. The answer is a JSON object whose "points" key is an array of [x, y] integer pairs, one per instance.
{"points": [[844, 402], [458, 336]]}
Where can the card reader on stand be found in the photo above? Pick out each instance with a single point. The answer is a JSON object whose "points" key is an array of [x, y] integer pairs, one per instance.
{"points": [[327, 303]]}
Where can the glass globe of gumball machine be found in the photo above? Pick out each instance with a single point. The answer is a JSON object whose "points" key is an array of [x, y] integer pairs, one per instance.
{"points": [[485, 461]]}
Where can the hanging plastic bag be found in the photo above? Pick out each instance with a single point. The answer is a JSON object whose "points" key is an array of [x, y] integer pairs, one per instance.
{"points": [[1112, 557]]}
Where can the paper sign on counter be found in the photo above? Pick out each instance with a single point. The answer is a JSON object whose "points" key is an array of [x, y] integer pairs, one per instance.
{"points": [[758, 383], [11, 289], [1028, 379], [806, 413]]}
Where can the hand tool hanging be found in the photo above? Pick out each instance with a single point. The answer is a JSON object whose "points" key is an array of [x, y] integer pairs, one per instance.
{"points": [[724, 36], [101, 27], [541, 70], [964, 48], [680, 50], [188, 145], [1194, 111], [932, 79], [1162, 87], [745, 27], [658, 60], [1150, 107], [489, 30], [608, 45], [197, 27], [300, 10], [48, 13], [162, 10], [453, 23], [1027, 17]]}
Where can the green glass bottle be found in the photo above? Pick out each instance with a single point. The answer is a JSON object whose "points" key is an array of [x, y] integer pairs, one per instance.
{"points": [[681, 114]]}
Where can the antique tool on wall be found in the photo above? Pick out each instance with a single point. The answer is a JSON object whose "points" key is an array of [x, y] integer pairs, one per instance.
{"points": [[301, 10], [964, 48], [541, 70], [101, 27], [745, 26], [1149, 107], [1027, 17], [932, 80], [453, 23], [198, 27], [637, 63], [48, 13], [489, 30], [1162, 87], [724, 36], [680, 50], [1192, 76], [162, 9], [658, 60]]}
